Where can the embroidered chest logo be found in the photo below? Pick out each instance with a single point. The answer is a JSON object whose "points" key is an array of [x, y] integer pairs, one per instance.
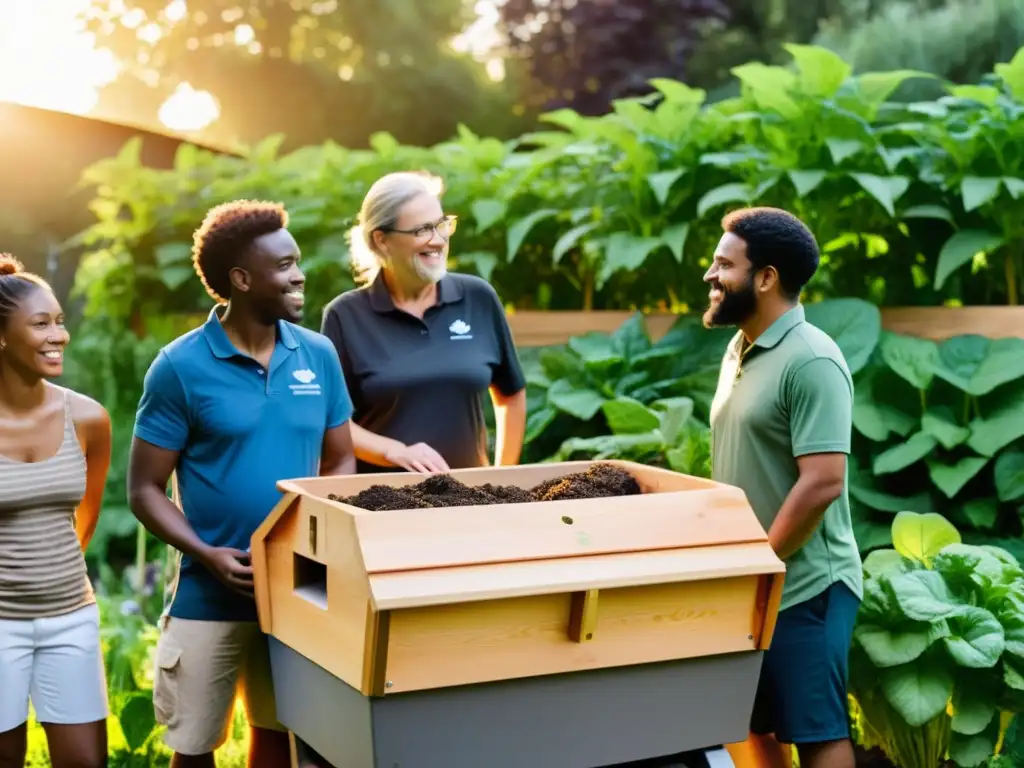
{"points": [[460, 329], [306, 385]]}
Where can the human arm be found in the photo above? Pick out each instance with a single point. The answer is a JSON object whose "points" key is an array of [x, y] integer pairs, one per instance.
{"points": [[508, 393], [387, 452], [161, 433], [510, 426], [820, 413], [93, 426]]}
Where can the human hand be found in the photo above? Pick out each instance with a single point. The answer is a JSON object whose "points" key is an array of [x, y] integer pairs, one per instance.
{"points": [[232, 567], [418, 457]]}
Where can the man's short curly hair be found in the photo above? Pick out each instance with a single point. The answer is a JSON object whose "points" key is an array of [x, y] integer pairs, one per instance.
{"points": [[226, 234], [778, 239]]}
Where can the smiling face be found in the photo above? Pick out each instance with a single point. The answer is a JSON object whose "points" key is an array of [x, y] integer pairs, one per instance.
{"points": [[732, 298], [416, 247], [34, 337], [270, 278]]}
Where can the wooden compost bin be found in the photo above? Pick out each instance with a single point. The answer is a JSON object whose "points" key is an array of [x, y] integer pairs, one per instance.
{"points": [[572, 633]]}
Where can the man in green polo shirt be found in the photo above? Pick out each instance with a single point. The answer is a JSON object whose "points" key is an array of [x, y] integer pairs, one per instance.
{"points": [[781, 423]]}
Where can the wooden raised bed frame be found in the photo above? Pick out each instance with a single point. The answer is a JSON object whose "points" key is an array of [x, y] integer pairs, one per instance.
{"points": [[539, 329], [407, 600]]}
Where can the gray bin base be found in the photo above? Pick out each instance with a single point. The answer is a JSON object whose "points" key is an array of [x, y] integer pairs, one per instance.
{"points": [[577, 720]]}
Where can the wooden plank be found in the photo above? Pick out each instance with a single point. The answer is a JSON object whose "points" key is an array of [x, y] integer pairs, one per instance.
{"points": [[940, 323], [534, 329], [443, 586], [404, 540], [583, 616], [505, 639]]}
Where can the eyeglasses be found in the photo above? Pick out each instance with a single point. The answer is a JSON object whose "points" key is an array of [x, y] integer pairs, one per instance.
{"points": [[445, 228]]}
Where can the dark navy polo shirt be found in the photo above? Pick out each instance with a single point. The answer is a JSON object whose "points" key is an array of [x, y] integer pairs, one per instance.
{"points": [[239, 429], [422, 380]]}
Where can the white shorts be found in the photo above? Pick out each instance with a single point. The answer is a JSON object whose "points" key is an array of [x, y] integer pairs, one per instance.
{"points": [[58, 663]]}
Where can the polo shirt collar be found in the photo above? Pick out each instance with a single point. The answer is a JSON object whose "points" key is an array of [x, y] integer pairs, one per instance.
{"points": [[448, 292], [221, 345], [777, 331], [774, 333]]}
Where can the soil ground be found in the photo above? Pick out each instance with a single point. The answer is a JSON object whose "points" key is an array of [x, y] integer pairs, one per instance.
{"points": [[599, 480]]}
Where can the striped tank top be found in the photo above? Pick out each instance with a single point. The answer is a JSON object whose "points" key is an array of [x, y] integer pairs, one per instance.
{"points": [[42, 569]]}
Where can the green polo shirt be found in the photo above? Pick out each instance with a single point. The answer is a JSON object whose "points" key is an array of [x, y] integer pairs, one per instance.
{"points": [[787, 395]]}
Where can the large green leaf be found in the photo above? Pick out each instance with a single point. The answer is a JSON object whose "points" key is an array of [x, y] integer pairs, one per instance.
{"points": [[627, 416], [675, 412], [1002, 426], [951, 478], [1009, 473], [872, 416], [890, 647], [885, 502], [630, 339], [978, 365], [661, 183], [137, 720], [727, 193], [978, 190], [885, 189], [974, 706], [583, 403], [922, 537], [974, 751], [569, 239], [983, 513], [822, 71], [595, 347], [674, 236], [1012, 74], [487, 212], [912, 359], [628, 251], [806, 181], [961, 248], [902, 455], [854, 324], [918, 690], [518, 231], [975, 639], [941, 423], [923, 596], [537, 422]]}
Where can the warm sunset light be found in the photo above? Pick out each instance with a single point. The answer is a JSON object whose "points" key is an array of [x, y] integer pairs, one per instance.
{"points": [[48, 60]]}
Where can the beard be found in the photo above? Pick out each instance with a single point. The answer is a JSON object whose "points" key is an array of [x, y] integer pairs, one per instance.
{"points": [[733, 308], [430, 274]]}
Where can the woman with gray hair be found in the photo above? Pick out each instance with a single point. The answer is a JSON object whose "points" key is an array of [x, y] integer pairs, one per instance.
{"points": [[419, 345]]}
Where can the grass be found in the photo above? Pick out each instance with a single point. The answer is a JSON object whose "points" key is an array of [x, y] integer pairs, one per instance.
{"points": [[154, 755]]}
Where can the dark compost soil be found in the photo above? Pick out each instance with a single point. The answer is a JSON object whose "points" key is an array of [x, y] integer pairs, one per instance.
{"points": [[600, 480]]}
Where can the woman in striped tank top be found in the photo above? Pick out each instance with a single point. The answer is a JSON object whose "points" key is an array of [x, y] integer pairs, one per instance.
{"points": [[54, 456]]}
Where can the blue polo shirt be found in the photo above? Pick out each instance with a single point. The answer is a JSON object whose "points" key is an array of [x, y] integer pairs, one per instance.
{"points": [[238, 429]]}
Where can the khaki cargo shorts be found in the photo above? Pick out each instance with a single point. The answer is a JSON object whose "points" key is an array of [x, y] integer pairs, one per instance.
{"points": [[201, 668]]}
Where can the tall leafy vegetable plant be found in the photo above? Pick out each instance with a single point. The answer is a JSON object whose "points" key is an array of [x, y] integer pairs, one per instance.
{"points": [[937, 663]]}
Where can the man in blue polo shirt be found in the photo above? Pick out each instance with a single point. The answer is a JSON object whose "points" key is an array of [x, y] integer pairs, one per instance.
{"points": [[232, 407]]}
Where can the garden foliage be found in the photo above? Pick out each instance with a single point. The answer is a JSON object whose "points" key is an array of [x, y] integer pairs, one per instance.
{"points": [[937, 427], [937, 664]]}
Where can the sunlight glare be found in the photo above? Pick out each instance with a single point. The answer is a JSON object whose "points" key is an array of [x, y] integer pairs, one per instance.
{"points": [[188, 109], [47, 60], [176, 10]]}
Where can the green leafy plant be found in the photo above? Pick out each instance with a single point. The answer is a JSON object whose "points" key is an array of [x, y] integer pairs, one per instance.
{"points": [[664, 434], [940, 428], [937, 664]]}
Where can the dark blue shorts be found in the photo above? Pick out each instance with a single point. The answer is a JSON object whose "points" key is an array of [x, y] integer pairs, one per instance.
{"points": [[801, 695]]}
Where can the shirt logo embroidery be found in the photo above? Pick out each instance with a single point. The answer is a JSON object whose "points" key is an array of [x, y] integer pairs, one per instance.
{"points": [[460, 330], [305, 386]]}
